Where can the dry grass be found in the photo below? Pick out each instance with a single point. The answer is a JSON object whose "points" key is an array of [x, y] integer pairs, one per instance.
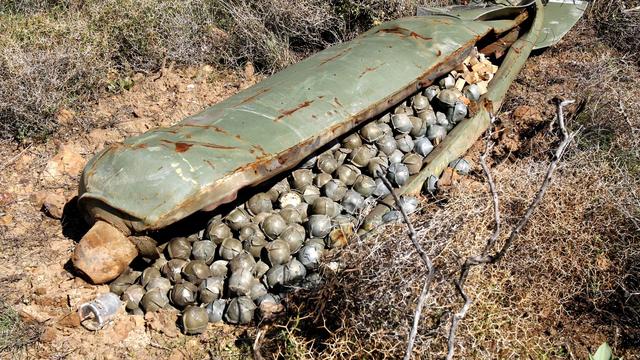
{"points": [[14, 333], [57, 54]]}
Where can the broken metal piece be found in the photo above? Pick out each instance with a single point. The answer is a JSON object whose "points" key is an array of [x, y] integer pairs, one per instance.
{"points": [[94, 315]]}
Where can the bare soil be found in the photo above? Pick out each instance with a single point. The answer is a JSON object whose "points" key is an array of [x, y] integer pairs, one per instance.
{"points": [[557, 295]]}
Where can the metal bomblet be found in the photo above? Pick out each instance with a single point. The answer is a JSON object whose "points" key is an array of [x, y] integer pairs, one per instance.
{"points": [[149, 274], [179, 248], [259, 203], [237, 219], [196, 271], [352, 201], [401, 123], [423, 146], [364, 185], [418, 127], [301, 178], [172, 270], [386, 144], [347, 173], [413, 162], [273, 225], [240, 282], [327, 163], [352, 141], [325, 206], [194, 320], [431, 92], [240, 310], [210, 289], [334, 189], [204, 250], [428, 117], [436, 133], [420, 102], [278, 252], [218, 231], [322, 178], [183, 294], [258, 290], [398, 174], [319, 225], [378, 165], [310, 255], [132, 296], [260, 269], [229, 248], [461, 166], [215, 310], [160, 283], [291, 215], [154, 300], [361, 156], [289, 199], [219, 268], [242, 261], [405, 143], [371, 132], [294, 236], [396, 157], [310, 193], [472, 92], [381, 189]]}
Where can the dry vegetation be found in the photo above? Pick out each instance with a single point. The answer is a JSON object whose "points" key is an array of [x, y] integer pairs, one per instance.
{"points": [[58, 54], [570, 282]]}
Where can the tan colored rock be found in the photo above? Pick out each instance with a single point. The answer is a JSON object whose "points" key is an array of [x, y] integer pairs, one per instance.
{"points": [[103, 253], [53, 204], [66, 162]]}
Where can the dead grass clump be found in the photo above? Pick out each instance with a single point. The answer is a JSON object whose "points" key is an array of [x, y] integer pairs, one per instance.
{"points": [[618, 22], [14, 333]]}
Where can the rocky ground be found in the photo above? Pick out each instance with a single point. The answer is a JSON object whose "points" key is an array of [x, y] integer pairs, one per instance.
{"points": [[555, 296]]}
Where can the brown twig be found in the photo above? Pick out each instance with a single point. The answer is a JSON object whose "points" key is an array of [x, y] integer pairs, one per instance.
{"points": [[484, 257], [257, 355], [425, 259]]}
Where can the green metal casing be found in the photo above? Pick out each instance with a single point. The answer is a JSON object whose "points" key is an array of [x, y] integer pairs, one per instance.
{"points": [[155, 179]]}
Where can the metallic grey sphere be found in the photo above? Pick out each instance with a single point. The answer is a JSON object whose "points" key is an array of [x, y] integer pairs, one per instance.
{"points": [[132, 296], [347, 173], [420, 102], [413, 162], [194, 320], [259, 203], [310, 255], [364, 185], [238, 218], [419, 128], [291, 215], [242, 261], [204, 250], [352, 141], [154, 300], [289, 199], [401, 123], [229, 248], [160, 283], [334, 189], [278, 252], [301, 178], [215, 310], [196, 271], [327, 164], [273, 225], [240, 310], [322, 178], [472, 92], [361, 156], [149, 274], [404, 143], [371, 132], [218, 231], [378, 165], [240, 282], [386, 144], [183, 294], [431, 92], [423, 146], [219, 268], [436, 133], [352, 202], [325, 206], [210, 289], [172, 270], [461, 166], [310, 193], [398, 174], [319, 225], [179, 248], [294, 236], [428, 117]]}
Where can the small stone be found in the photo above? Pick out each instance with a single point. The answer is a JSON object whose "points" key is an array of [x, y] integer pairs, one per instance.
{"points": [[53, 205]]}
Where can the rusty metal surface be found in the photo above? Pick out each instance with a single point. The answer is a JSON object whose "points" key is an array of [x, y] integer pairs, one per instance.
{"points": [[164, 175]]}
